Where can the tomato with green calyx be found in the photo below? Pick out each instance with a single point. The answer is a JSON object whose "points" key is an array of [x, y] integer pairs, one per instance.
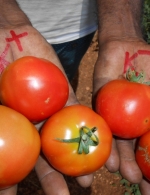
{"points": [[19, 147], [142, 154], [34, 87], [125, 106], [76, 141]]}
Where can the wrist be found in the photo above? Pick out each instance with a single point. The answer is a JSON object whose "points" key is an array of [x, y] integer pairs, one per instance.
{"points": [[118, 35], [11, 16], [119, 20]]}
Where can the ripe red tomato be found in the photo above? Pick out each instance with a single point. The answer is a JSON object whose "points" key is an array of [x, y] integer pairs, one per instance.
{"points": [[125, 106], [34, 87], [142, 154], [19, 147], [77, 123]]}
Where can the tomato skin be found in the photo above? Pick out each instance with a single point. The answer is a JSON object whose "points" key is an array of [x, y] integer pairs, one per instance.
{"points": [[34, 87], [66, 124], [142, 154], [125, 106], [19, 147]]}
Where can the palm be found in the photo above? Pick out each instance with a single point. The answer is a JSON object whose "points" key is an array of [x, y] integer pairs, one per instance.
{"points": [[115, 58]]}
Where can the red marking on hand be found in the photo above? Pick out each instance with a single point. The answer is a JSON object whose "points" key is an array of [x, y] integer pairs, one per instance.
{"points": [[128, 60], [3, 62], [143, 52], [16, 39]]}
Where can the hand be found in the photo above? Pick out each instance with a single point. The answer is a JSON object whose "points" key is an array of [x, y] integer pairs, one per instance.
{"points": [[23, 41], [115, 57]]}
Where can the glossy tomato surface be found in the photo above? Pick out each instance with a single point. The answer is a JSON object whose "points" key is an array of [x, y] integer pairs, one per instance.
{"points": [[143, 154], [125, 106], [67, 124], [34, 87], [19, 147]]}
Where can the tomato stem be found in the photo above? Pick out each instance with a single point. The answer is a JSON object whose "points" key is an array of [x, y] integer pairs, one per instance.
{"points": [[87, 138], [137, 77]]}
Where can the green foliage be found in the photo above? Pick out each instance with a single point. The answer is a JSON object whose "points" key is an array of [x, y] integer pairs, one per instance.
{"points": [[130, 189], [146, 21]]}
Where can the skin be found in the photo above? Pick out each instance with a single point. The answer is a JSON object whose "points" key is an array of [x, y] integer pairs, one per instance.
{"points": [[119, 32], [33, 44]]}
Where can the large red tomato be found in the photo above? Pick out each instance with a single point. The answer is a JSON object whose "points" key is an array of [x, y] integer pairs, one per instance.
{"points": [[125, 106], [76, 141], [19, 147], [143, 154], [34, 87]]}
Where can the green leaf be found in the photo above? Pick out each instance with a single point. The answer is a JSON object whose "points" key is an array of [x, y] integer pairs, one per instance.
{"points": [[127, 193], [146, 21]]}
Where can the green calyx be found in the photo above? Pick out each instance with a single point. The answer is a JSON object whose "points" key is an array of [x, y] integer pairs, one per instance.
{"points": [[86, 138], [134, 76]]}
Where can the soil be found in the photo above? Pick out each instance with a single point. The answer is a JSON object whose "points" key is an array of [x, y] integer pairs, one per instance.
{"points": [[105, 183]]}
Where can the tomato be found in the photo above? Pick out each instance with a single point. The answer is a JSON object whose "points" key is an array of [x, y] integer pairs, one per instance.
{"points": [[19, 147], [125, 106], [65, 137], [34, 87], [142, 154]]}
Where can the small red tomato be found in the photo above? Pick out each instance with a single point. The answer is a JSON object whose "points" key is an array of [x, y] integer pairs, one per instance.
{"points": [[76, 141], [142, 154], [125, 106], [34, 87], [19, 147]]}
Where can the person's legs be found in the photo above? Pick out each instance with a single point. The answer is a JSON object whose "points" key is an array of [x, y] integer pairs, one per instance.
{"points": [[71, 53]]}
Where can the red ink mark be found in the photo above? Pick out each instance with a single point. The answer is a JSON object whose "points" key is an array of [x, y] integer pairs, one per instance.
{"points": [[143, 52], [16, 39], [128, 60], [3, 62]]}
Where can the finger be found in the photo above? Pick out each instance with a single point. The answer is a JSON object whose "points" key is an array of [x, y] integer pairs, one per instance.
{"points": [[145, 187], [85, 180], [113, 161], [128, 166], [9, 191], [52, 182]]}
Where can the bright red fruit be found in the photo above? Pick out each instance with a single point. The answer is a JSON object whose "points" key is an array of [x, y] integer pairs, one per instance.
{"points": [[142, 154], [125, 106], [34, 87], [19, 147], [76, 141]]}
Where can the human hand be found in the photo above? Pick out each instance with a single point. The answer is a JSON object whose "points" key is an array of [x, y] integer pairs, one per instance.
{"points": [[27, 41], [115, 57]]}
